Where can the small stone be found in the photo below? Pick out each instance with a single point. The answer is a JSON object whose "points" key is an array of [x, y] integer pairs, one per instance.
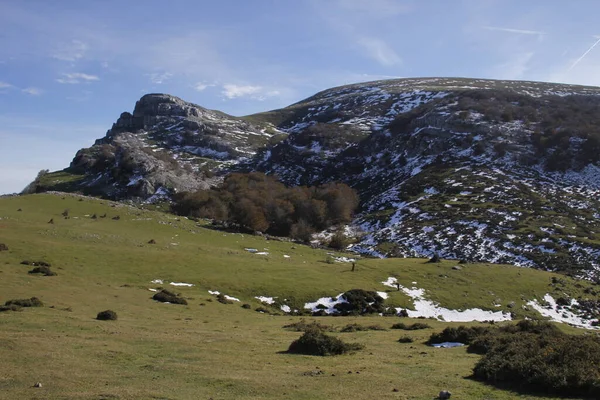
{"points": [[457, 268], [37, 385], [444, 395], [395, 390]]}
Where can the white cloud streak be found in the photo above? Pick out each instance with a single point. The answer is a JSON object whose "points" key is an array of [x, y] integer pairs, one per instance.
{"points": [[77, 77], [583, 56], [517, 31], [32, 91], [159, 78], [232, 91], [4, 85], [72, 51], [380, 51]]}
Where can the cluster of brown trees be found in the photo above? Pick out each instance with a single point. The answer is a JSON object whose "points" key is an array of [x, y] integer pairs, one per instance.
{"points": [[259, 202]]}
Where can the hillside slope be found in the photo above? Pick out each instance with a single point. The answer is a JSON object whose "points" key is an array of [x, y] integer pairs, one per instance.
{"points": [[479, 170], [157, 350]]}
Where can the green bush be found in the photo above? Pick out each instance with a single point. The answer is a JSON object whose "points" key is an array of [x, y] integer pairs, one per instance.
{"points": [[303, 326], [166, 296], [359, 301], [43, 270], [359, 328], [316, 343], [107, 315], [405, 339], [553, 363], [32, 302], [413, 327], [462, 334]]}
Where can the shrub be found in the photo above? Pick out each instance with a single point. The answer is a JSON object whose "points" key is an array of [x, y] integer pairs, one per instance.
{"points": [[107, 315], [43, 270], [316, 343], [462, 334], [405, 339], [413, 327], [223, 300], [339, 241], [303, 326], [358, 328], [166, 296], [12, 307], [3, 247], [435, 258], [247, 306], [32, 302], [553, 363], [359, 301]]}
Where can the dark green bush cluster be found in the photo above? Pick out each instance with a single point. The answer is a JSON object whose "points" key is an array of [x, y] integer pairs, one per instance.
{"points": [[32, 302], [359, 328], [223, 300], [303, 326], [107, 315], [258, 202], [405, 339], [412, 327], [316, 343], [462, 334], [359, 301], [43, 270], [532, 356], [166, 296]]}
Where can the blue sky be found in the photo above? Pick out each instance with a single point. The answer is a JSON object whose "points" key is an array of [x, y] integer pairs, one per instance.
{"points": [[68, 68]]}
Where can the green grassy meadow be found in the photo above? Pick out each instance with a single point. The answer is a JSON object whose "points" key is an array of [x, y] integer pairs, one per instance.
{"points": [[209, 350]]}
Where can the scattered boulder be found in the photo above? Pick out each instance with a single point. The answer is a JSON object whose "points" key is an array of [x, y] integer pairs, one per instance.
{"points": [[435, 258], [94, 216], [403, 313], [51, 221], [247, 306], [405, 339], [107, 315], [166, 296], [116, 218], [37, 385], [3, 247], [151, 241], [457, 268], [444, 395]]}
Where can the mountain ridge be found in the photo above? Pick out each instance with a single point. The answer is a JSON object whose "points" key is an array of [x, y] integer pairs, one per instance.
{"points": [[470, 169]]}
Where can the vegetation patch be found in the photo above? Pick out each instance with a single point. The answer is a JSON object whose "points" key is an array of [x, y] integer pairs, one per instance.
{"points": [[166, 296], [412, 327], [316, 343], [107, 315], [359, 301], [12, 307], [304, 326], [32, 302], [359, 328], [43, 270], [406, 339], [3, 247]]}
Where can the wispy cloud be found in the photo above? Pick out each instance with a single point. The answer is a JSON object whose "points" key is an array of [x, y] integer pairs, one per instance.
{"points": [[33, 91], [77, 77], [71, 51], [4, 85], [159, 78], [200, 86], [517, 31], [380, 51], [232, 91]]}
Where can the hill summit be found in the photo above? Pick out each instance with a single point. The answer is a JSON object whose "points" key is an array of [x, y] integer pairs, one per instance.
{"points": [[471, 169]]}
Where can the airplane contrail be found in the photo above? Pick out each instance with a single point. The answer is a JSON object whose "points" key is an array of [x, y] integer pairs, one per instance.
{"points": [[583, 56]]}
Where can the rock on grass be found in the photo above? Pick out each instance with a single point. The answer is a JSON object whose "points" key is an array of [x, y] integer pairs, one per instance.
{"points": [[166, 296]]}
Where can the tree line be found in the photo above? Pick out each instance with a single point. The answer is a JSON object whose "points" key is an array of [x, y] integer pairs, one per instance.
{"points": [[258, 202]]}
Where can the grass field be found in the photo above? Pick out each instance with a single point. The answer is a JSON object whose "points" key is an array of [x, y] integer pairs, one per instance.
{"points": [[207, 349]]}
